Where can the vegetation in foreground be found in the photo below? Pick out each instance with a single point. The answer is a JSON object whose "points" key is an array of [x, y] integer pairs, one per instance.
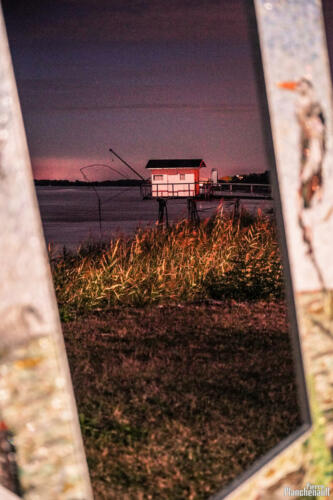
{"points": [[221, 258], [175, 402], [180, 396]]}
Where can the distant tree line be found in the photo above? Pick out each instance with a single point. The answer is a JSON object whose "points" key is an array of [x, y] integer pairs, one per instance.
{"points": [[253, 178], [66, 182]]}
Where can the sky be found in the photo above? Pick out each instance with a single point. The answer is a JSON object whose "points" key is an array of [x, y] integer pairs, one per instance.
{"points": [[148, 78]]}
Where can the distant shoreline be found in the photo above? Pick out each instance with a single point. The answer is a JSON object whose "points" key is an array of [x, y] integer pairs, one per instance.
{"points": [[54, 182], [255, 178]]}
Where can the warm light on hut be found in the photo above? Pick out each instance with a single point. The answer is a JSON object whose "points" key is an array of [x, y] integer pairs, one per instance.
{"points": [[175, 178]]}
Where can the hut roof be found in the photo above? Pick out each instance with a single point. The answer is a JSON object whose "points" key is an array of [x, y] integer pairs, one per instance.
{"points": [[183, 163]]}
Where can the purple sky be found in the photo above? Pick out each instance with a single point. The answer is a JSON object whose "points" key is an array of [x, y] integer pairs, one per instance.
{"points": [[151, 79]]}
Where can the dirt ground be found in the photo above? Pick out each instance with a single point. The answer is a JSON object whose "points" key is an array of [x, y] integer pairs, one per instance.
{"points": [[177, 401]]}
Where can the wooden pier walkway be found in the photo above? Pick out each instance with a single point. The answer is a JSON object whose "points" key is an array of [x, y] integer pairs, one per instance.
{"points": [[206, 191]]}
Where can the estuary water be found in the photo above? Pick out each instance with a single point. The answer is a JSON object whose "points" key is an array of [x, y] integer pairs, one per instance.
{"points": [[70, 215]]}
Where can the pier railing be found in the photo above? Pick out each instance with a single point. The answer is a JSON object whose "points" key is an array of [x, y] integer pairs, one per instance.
{"points": [[239, 187], [170, 190], [204, 190]]}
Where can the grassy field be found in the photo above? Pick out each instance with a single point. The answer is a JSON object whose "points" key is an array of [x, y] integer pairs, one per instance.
{"points": [[175, 402], [180, 356]]}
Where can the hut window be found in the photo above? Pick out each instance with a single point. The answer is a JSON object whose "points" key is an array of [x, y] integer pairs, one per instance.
{"points": [[158, 177], [182, 177]]}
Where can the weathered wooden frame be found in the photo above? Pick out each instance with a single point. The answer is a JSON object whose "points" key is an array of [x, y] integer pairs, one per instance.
{"points": [[293, 46], [27, 303], [31, 343]]}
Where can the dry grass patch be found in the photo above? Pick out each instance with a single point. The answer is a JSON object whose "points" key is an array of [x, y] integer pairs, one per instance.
{"points": [[174, 401], [221, 258]]}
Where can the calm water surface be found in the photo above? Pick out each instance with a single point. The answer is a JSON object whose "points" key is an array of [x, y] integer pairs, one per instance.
{"points": [[70, 214]]}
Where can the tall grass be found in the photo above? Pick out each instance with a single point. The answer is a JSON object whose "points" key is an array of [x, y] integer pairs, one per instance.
{"points": [[220, 258]]}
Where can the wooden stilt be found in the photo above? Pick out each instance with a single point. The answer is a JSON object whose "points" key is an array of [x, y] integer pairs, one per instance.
{"points": [[192, 211], [163, 212], [236, 207]]}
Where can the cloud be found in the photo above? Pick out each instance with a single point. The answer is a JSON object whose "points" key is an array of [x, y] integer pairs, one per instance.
{"points": [[215, 108], [127, 20]]}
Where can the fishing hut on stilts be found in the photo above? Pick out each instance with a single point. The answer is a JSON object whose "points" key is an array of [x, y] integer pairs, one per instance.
{"points": [[174, 179]]}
